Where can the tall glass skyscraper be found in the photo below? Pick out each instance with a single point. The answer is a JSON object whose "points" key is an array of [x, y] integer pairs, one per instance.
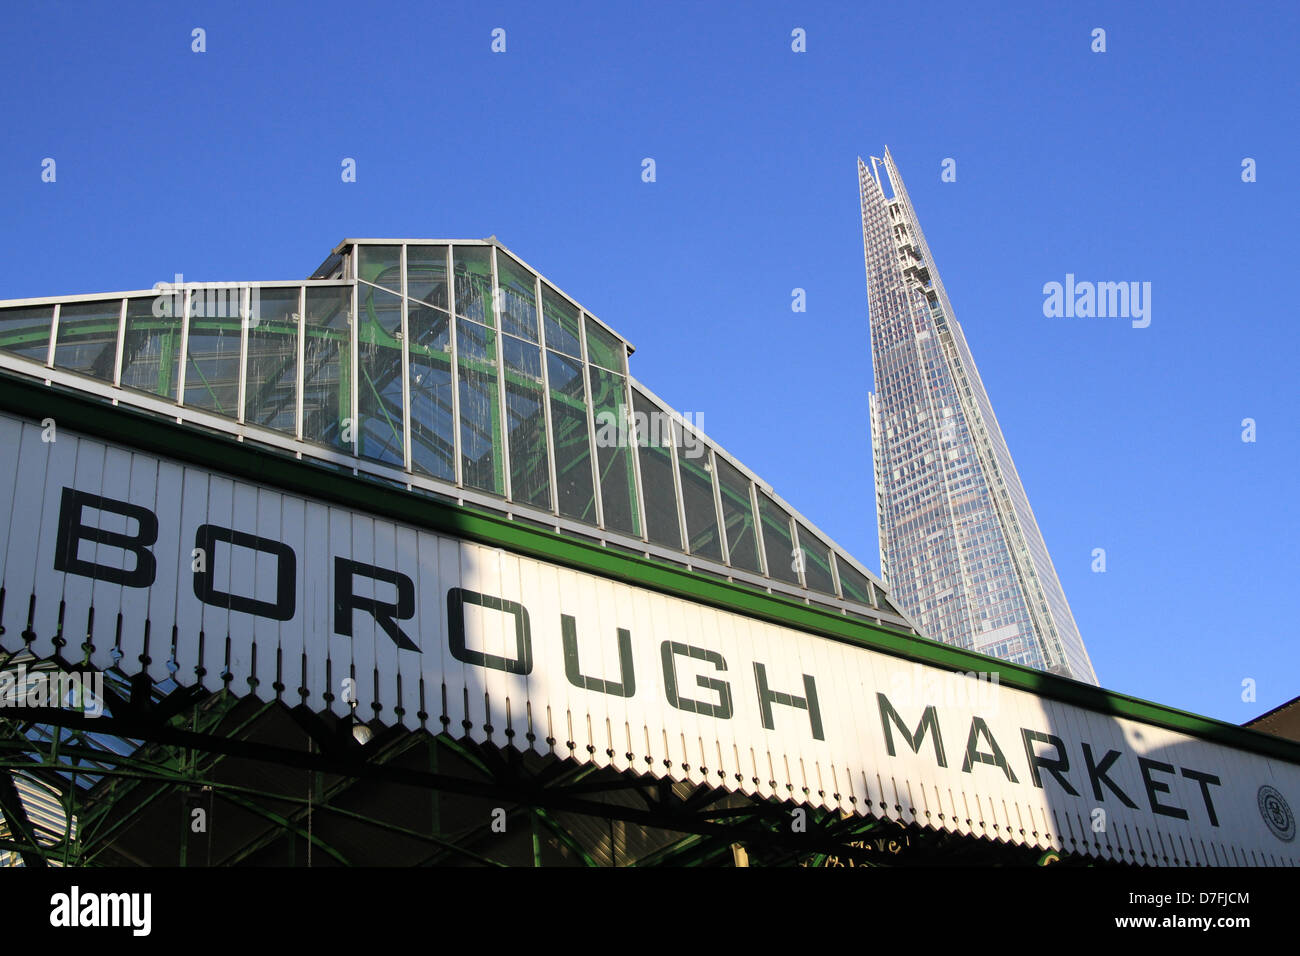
{"points": [[959, 547]]}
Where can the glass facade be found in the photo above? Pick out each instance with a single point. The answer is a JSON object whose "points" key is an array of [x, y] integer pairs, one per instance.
{"points": [[456, 369], [530, 473], [782, 561], [572, 441], [25, 331], [433, 440], [695, 471], [86, 340], [663, 525], [614, 451], [151, 348], [379, 374], [738, 518], [328, 373], [480, 412], [959, 544], [212, 360], [430, 377], [271, 362]]}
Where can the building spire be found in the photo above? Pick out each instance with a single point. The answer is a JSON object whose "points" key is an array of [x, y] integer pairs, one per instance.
{"points": [[962, 552]]}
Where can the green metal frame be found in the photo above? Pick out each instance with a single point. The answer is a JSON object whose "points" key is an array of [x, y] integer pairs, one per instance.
{"points": [[188, 742]]}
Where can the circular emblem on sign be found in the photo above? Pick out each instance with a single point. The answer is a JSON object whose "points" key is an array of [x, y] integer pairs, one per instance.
{"points": [[1276, 813]]}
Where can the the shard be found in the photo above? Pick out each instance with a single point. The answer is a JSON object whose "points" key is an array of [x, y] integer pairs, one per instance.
{"points": [[960, 550]]}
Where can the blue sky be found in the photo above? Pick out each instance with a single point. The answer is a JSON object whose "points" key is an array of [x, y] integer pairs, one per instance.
{"points": [[1115, 166]]}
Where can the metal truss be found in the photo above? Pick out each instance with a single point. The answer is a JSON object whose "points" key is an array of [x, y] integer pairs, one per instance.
{"points": [[171, 775]]}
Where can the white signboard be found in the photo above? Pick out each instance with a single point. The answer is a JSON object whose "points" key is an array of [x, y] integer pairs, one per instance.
{"points": [[176, 571]]}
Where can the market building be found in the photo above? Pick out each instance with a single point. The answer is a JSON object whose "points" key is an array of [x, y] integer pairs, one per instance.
{"points": [[399, 564]]}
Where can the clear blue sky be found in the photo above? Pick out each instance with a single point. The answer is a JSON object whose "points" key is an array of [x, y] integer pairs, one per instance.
{"points": [[1115, 166]]}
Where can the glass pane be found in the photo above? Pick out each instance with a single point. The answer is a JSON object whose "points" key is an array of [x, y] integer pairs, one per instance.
{"points": [[604, 349], [433, 449], [480, 418], [561, 318], [654, 439], [381, 265], [777, 544], [151, 355], [327, 368], [738, 517], [697, 494], [473, 267], [614, 453], [212, 357], [882, 602], [530, 464], [271, 381], [379, 394], [816, 561], [426, 275], [518, 298], [853, 582], [88, 337], [26, 331], [574, 486]]}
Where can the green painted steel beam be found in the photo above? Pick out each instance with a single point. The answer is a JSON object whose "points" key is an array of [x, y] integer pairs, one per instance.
{"points": [[261, 811], [18, 823]]}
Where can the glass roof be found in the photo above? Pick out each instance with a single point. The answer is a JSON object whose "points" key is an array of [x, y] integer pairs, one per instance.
{"points": [[466, 375]]}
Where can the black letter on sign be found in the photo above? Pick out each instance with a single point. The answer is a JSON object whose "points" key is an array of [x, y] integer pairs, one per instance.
{"points": [[929, 721], [722, 709], [1159, 786], [1097, 774], [978, 729], [206, 538], [457, 598], [72, 532], [386, 615], [768, 697], [1056, 768], [1205, 779], [569, 631]]}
